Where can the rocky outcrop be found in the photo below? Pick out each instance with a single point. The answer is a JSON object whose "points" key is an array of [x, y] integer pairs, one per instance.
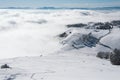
{"points": [[79, 25], [103, 55], [65, 34], [78, 40], [5, 66], [115, 57], [97, 25], [116, 23]]}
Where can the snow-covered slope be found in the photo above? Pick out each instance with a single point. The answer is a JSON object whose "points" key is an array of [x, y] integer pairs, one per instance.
{"points": [[25, 34], [71, 65]]}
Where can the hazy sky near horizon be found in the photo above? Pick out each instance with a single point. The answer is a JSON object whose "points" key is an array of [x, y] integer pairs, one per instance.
{"points": [[59, 3]]}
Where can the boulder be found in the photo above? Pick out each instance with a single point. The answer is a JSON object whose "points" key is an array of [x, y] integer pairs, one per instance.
{"points": [[115, 57], [103, 55], [65, 34], [5, 66]]}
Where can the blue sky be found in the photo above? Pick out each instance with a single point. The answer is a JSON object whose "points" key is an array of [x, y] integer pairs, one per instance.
{"points": [[59, 3]]}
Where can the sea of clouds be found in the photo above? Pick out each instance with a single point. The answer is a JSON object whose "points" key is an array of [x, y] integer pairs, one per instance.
{"points": [[34, 32]]}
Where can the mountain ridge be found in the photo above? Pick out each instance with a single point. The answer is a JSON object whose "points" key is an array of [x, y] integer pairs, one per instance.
{"points": [[52, 8]]}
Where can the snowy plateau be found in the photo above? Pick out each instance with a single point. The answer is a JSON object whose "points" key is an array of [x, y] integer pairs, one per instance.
{"points": [[45, 45]]}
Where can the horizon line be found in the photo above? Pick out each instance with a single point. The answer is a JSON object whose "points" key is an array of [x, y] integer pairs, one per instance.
{"points": [[53, 7]]}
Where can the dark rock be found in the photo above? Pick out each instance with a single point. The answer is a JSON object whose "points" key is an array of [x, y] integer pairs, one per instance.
{"points": [[80, 25], [5, 66], [98, 24], [104, 26], [115, 22], [63, 35], [103, 55], [91, 25], [115, 57]]}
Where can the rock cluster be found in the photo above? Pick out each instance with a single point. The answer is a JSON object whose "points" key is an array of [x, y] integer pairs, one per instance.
{"points": [[97, 25], [115, 57], [104, 55]]}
